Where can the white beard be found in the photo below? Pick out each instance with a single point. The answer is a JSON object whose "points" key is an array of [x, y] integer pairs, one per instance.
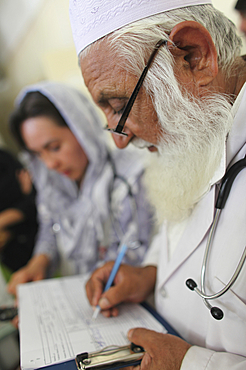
{"points": [[174, 187], [180, 172]]}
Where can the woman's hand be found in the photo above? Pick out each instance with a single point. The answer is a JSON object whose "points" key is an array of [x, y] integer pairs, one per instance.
{"points": [[25, 181], [5, 236], [33, 271]]}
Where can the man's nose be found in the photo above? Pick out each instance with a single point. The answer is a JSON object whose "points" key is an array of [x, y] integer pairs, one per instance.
{"points": [[121, 141]]}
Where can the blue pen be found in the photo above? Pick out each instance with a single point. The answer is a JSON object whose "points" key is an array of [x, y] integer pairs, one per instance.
{"points": [[116, 266]]}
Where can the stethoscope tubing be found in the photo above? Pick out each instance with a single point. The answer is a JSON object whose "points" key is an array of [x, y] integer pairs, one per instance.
{"points": [[229, 284], [225, 188], [207, 250]]}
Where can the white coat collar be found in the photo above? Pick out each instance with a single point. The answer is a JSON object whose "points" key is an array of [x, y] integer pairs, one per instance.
{"points": [[237, 135]]}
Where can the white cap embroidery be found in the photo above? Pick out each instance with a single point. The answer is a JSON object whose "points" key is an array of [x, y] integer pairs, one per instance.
{"points": [[93, 19]]}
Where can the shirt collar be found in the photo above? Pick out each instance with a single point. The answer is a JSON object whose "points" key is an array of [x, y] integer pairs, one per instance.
{"points": [[219, 173]]}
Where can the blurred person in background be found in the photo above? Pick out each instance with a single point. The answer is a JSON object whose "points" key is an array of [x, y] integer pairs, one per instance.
{"points": [[18, 214], [89, 197], [241, 8]]}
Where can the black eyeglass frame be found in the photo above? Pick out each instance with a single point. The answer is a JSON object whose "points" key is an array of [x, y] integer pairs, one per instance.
{"points": [[119, 128]]}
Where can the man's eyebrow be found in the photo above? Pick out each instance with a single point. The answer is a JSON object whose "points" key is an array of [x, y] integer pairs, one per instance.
{"points": [[102, 98], [105, 97]]}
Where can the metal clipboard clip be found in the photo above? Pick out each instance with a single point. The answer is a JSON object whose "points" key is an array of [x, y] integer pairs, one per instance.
{"points": [[110, 358]]}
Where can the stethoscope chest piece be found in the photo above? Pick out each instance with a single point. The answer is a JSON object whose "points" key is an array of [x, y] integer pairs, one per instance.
{"points": [[225, 188], [216, 312]]}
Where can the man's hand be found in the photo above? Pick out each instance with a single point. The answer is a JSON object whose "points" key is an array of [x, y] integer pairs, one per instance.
{"points": [[33, 271], [131, 284], [163, 351]]}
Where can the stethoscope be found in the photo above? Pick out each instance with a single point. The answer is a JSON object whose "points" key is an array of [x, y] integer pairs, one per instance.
{"points": [[224, 191]]}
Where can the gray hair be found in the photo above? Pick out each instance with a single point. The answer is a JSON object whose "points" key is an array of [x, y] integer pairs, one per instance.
{"points": [[133, 42]]}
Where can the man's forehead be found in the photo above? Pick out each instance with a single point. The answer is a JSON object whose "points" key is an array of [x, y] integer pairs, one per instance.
{"points": [[102, 75], [97, 60]]}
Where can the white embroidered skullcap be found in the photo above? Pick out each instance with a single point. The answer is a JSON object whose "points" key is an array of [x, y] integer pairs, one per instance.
{"points": [[93, 19]]}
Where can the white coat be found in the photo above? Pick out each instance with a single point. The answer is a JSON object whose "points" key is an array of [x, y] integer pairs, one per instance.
{"points": [[216, 344]]}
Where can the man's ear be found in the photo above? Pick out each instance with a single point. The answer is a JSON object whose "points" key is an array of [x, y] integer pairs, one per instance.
{"points": [[195, 49]]}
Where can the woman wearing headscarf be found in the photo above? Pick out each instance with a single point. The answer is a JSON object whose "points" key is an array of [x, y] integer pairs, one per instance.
{"points": [[90, 198]]}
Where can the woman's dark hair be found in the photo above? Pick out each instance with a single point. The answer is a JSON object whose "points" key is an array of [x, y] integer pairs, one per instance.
{"points": [[33, 105]]}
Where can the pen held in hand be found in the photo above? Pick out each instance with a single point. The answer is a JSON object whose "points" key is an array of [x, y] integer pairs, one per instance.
{"points": [[116, 266]]}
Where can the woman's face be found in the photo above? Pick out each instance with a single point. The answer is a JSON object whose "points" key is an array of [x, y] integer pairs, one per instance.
{"points": [[56, 146]]}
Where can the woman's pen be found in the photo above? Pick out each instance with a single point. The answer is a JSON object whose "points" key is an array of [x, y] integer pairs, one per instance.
{"points": [[116, 266]]}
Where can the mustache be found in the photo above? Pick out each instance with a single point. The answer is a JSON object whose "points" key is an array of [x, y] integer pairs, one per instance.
{"points": [[140, 143]]}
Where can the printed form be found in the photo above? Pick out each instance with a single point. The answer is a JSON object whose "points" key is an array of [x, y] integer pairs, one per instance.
{"points": [[55, 322]]}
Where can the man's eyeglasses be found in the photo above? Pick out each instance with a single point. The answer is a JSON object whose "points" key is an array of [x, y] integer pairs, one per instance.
{"points": [[119, 128]]}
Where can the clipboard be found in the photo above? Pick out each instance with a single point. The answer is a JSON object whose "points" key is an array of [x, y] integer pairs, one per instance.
{"points": [[110, 358], [55, 341], [115, 357]]}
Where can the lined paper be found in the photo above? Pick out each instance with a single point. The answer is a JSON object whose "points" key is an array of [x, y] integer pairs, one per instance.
{"points": [[55, 322]]}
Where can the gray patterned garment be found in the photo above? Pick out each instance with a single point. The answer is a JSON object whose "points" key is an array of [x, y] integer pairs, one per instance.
{"points": [[79, 228]]}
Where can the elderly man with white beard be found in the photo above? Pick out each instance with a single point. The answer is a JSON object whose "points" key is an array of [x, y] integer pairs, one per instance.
{"points": [[188, 109]]}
